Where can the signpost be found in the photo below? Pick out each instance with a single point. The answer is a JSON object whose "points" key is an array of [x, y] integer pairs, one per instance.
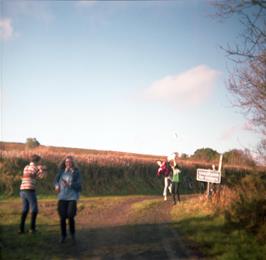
{"points": [[212, 176]]}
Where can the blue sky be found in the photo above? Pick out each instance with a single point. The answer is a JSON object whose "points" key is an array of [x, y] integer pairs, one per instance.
{"points": [[136, 76]]}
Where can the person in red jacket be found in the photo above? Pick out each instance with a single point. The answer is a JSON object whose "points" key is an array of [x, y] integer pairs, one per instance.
{"points": [[165, 170]]}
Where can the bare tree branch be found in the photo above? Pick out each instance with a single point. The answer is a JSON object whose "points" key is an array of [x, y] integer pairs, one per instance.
{"points": [[247, 81]]}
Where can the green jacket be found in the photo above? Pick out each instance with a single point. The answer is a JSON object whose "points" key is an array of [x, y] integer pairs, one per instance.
{"points": [[176, 175]]}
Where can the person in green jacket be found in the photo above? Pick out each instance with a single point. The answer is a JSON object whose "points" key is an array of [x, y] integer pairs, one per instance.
{"points": [[175, 183]]}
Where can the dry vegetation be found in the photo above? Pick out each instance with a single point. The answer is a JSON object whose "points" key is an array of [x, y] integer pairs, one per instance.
{"points": [[105, 172]]}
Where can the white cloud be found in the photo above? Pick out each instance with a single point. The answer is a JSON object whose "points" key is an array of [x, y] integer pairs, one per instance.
{"points": [[188, 88], [6, 29]]}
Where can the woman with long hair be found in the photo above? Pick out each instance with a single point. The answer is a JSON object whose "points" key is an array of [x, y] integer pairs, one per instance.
{"points": [[68, 187]]}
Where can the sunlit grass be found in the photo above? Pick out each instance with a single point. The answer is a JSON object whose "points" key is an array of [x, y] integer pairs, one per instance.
{"points": [[144, 205], [208, 233]]}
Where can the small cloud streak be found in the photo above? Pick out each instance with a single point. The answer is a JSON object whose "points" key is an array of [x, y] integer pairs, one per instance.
{"points": [[6, 29], [234, 130], [229, 133], [191, 87]]}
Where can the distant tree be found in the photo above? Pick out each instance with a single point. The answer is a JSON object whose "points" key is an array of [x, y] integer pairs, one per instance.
{"points": [[239, 157], [184, 156], [32, 143], [206, 154], [247, 81]]}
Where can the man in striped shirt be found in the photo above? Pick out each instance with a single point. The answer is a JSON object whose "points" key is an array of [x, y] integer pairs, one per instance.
{"points": [[31, 173]]}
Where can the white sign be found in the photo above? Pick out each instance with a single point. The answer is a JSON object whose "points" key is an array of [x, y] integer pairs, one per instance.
{"points": [[209, 175]]}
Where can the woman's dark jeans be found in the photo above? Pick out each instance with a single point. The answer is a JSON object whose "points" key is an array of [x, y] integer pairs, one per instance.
{"points": [[67, 209], [175, 191]]}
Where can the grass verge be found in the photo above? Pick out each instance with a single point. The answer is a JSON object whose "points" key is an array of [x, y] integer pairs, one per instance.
{"points": [[208, 234]]}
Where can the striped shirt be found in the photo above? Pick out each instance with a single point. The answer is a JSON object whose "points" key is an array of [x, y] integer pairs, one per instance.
{"points": [[30, 173]]}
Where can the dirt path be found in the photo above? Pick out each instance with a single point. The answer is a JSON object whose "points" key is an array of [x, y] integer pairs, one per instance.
{"points": [[126, 228]]}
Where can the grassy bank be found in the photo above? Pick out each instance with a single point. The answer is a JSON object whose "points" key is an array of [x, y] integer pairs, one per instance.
{"points": [[208, 233]]}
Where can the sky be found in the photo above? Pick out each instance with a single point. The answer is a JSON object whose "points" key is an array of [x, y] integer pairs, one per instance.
{"points": [[145, 77]]}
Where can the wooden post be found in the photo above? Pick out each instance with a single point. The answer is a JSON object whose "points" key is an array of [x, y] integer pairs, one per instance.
{"points": [[213, 168], [208, 190], [219, 185], [220, 162]]}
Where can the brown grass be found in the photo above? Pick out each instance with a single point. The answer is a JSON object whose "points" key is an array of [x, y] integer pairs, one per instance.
{"points": [[103, 157]]}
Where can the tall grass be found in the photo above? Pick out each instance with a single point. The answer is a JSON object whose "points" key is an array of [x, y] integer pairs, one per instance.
{"points": [[243, 205], [103, 172]]}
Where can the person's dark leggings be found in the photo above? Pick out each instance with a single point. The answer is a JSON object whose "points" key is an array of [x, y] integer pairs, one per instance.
{"points": [[29, 201], [175, 191], [67, 209]]}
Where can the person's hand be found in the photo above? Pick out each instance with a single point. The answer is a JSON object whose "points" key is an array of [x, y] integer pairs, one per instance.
{"points": [[66, 184], [57, 188], [42, 171], [159, 163]]}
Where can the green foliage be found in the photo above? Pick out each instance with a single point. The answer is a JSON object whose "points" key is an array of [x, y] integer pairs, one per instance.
{"points": [[206, 154], [32, 143], [135, 178], [111, 177], [249, 211], [215, 241], [10, 172], [103, 172], [231, 176], [207, 232]]}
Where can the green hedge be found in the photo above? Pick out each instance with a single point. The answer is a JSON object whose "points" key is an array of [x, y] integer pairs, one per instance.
{"points": [[115, 178]]}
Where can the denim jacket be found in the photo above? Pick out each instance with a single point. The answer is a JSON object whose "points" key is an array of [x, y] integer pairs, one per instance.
{"points": [[72, 177]]}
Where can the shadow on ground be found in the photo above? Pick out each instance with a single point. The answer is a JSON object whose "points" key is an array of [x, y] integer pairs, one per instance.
{"points": [[145, 241]]}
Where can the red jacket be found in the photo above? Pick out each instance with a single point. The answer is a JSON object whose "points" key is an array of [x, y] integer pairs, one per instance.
{"points": [[164, 169]]}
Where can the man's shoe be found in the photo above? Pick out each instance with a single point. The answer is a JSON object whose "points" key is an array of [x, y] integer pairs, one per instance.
{"points": [[32, 231], [21, 232]]}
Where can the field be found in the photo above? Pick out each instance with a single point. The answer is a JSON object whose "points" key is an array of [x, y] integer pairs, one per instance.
{"points": [[127, 173], [121, 214], [128, 227]]}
